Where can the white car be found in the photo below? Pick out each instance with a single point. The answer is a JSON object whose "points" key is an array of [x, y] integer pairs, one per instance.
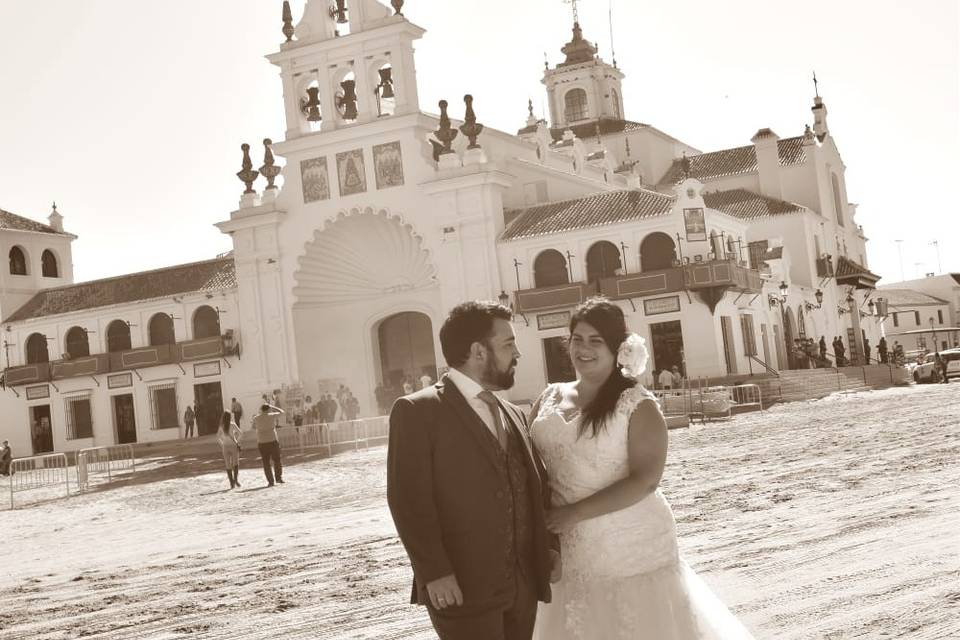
{"points": [[927, 372]]}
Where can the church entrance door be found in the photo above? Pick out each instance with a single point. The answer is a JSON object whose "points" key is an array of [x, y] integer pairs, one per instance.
{"points": [[406, 352]]}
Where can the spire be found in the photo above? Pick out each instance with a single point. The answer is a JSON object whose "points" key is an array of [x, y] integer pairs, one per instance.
{"points": [[819, 109], [531, 119], [56, 220]]}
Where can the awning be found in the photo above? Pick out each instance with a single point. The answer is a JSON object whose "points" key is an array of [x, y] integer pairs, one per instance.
{"points": [[855, 275]]}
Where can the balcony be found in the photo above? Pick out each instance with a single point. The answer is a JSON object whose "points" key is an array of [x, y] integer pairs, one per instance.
{"points": [[710, 279], [825, 267], [100, 363]]}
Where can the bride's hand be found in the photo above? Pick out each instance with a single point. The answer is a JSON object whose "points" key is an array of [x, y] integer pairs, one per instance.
{"points": [[562, 519]]}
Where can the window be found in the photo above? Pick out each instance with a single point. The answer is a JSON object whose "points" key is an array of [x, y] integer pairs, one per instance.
{"points": [[77, 344], [206, 322], [838, 207], [896, 319], [916, 317], [575, 105], [37, 348], [749, 339], [79, 417], [549, 269], [616, 104], [48, 265], [940, 316], [163, 406], [657, 251], [18, 262], [161, 329], [603, 261], [118, 336]]}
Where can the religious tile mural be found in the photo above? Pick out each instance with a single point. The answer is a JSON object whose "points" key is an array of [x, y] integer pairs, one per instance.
{"points": [[313, 178], [388, 165], [353, 179]]}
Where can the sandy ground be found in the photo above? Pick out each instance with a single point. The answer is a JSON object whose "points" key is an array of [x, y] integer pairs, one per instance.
{"points": [[831, 519]]}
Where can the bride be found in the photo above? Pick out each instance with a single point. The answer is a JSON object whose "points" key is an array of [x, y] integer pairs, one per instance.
{"points": [[604, 443]]}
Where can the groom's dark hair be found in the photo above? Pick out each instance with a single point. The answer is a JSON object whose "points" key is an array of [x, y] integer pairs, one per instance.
{"points": [[467, 323]]}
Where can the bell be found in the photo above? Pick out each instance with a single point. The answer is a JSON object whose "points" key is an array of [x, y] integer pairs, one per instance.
{"points": [[349, 99], [340, 11], [312, 105], [386, 82]]}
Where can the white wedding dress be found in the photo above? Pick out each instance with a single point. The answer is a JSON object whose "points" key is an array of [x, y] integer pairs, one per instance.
{"points": [[622, 572]]}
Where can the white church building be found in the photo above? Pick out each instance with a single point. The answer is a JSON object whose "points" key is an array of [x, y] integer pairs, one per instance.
{"points": [[386, 216]]}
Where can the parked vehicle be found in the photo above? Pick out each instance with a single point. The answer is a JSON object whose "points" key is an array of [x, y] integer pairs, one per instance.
{"points": [[927, 371]]}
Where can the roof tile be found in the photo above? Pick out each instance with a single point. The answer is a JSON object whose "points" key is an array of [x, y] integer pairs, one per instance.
{"points": [[19, 223], [748, 205], [209, 275], [728, 162]]}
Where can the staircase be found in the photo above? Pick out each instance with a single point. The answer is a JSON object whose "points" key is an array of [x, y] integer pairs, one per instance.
{"points": [[805, 384]]}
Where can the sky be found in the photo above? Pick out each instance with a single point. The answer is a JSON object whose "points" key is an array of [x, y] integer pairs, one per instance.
{"points": [[130, 115]]}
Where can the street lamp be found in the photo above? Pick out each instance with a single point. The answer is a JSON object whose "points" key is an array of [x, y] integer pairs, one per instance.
{"points": [[819, 296], [784, 288], [933, 329], [504, 298]]}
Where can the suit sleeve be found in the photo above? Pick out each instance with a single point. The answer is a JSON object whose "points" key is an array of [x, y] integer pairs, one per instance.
{"points": [[410, 493]]}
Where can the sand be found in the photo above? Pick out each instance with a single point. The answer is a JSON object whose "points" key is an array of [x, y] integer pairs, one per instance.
{"points": [[837, 518]]}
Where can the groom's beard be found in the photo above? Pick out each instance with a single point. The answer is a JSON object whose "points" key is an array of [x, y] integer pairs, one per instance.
{"points": [[497, 379]]}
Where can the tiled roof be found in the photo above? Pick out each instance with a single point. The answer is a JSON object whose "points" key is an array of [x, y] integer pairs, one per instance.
{"points": [[747, 205], [847, 268], [19, 223], [209, 275], [588, 130], [908, 297], [609, 207], [730, 162]]}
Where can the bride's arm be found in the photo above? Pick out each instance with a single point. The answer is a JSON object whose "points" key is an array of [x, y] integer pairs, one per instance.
{"points": [[647, 454]]}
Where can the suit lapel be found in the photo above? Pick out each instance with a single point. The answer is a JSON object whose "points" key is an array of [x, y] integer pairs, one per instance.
{"points": [[451, 397]]}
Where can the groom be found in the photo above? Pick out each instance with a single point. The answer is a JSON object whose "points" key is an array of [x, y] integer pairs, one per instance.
{"points": [[466, 491]]}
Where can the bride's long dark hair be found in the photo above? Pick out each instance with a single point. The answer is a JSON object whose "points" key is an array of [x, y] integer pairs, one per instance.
{"points": [[607, 318]]}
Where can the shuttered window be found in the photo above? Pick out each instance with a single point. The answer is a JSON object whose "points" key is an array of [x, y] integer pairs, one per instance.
{"points": [[79, 417], [163, 406]]}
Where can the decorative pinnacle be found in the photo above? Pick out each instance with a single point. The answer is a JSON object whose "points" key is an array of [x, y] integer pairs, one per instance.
{"points": [[470, 127], [685, 166], [247, 174], [269, 170], [397, 5], [288, 29], [530, 106], [445, 133]]}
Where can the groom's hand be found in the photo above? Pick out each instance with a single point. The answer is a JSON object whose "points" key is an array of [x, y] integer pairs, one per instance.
{"points": [[445, 592], [556, 566]]}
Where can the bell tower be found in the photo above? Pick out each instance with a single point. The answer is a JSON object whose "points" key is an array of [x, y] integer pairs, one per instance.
{"points": [[583, 88], [346, 63]]}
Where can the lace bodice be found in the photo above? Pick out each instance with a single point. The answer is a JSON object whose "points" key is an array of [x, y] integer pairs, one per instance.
{"points": [[634, 540]]}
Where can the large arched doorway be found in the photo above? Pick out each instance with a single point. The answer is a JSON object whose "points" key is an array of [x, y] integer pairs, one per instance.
{"points": [[118, 336], [603, 261], [206, 322], [549, 269], [160, 329], [405, 342], [657, 251]]}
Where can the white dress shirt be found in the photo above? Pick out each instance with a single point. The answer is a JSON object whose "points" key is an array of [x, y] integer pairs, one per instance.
{"points": [[470, 390]]}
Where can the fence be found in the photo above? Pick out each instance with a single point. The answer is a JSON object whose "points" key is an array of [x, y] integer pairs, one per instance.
{"points": [[39, 472], [103, 460], [705, 402], [335, 436], [747, 395]]}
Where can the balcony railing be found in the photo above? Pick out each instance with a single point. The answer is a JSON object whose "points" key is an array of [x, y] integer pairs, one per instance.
{"points": [[825, 267], [152, 356], [726, 274]]}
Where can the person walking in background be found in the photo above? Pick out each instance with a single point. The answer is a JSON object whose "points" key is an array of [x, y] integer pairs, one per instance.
{"points": [[677, 377], [866, 350], [882, 350], [665, 379], [228, 435], [237, 410], [6, 458], [189, 417], [842, 351], [265, 424], [823, 347]]}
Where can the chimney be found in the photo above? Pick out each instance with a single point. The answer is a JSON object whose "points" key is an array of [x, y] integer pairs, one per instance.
{"points": [[768, 162]]}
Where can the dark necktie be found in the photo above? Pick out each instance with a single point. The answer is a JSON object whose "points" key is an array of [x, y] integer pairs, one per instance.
{"points": [[491, 401]]}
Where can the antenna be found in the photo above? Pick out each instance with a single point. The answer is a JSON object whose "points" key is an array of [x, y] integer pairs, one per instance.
{"points": [[613, 52], [936, 245]]}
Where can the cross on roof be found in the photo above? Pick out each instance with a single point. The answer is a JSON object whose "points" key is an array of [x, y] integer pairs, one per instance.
{"points": [[816, 90], [576, 18]]}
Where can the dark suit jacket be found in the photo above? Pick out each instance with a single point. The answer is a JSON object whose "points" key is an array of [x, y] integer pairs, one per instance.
{"points": [[446, 497]]}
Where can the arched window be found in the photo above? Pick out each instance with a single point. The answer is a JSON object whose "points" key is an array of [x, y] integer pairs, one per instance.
{"points": [[616, 104], [77, 343], [603, 260], [160, 329], [657, 251], [575, 105], [837, 201], [206, 323], [118, 336], [37, 348], [48, 262], [18, 262], [550, 268]]}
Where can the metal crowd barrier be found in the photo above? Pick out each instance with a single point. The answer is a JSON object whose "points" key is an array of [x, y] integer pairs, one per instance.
{"points": [[335, 434], [747, 395], [103, 460], [704, 402], [38, 472]]}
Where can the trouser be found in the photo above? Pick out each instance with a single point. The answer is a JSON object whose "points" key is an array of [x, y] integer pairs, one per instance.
{"points": [[512, 623], [236, 417], [270, 451], [189, 430]]}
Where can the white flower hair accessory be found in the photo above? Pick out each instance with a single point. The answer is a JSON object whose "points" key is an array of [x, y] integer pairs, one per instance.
{"points": [[632, 356]]}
